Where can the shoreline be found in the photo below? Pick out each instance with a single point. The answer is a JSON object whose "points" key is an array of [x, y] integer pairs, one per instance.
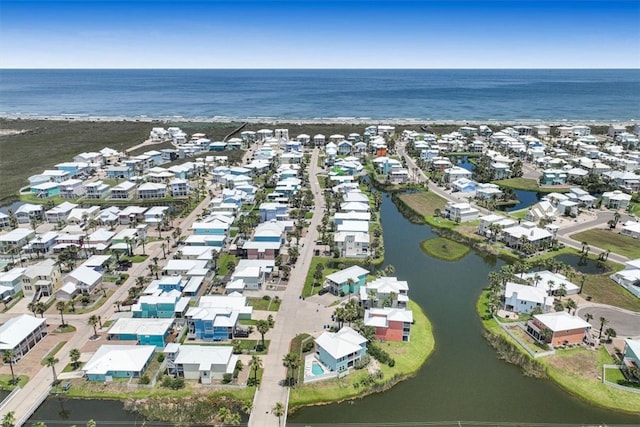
{"points": [[317, 120]]}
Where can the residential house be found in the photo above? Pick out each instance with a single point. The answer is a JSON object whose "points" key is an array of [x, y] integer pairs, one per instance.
{"points": [[340, 351], [460, 212], [120, 172], [20, 334], [346, 281], [464, 185], [85, 279], [391, 324], [179, 187], [166, 305], [29, 212], [211, 323], [631, 353], [10, 283], [199, 362], [131, 214], [631, 229], [153, 332], [72, 189], [150, 190], [15, 240], [123, 191], [553, 177], [253, 272], [385, 292], [564, 328], [269, 211], [629, 277], [118, 361], [352, 244], [41, 279], [96, 190], [543, 210], [487, 191], [525, 298], [615, 199], [45, 190], [551, 283]]}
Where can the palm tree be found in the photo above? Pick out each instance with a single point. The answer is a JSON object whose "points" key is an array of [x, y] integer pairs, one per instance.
{"points": [[51, 362], [291, 362], [610, 332], [588, 317], [278, 411], [8, 356], [93, 321], [74, 355], [262, 326], [603, 321], [255, 364], [9, 419], [571, 305], [61, 306]]}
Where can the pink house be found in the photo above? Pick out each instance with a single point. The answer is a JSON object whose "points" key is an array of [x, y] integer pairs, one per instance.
{"points": [[391, 324]]}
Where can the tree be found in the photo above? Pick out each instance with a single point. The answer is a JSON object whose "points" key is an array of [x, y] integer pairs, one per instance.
{"points": [[9, 419], [588, 317], [262, 326], [603, 321], [74, 355], [291, 361], [8, 356], [278, 411], [610, 332], [93, 321], [255, 364], [61, 306], [546, 334], [51, 362], [38, 424], [571, 305]]}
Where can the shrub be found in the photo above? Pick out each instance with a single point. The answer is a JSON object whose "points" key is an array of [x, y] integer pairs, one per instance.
{"points": [[380, 355], [161, 357], [177, 383], [307, 347], [145, 379], [362, 362], [266, 298], [391, 363], [226, 378]]}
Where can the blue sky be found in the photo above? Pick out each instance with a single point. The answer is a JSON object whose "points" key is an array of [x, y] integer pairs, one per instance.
{"points": [[319, 34]]}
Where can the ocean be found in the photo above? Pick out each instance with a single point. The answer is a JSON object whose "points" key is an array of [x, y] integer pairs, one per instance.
{"points": [[420, 95]]}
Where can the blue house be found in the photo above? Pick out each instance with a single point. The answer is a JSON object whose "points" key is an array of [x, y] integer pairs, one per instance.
{"points": [[269, 211], [170, 283], [270, 231], [211, 324], [214, 227], [143, 331], [464, 185], [340, 351], [347, 281], [119, 172], [553, 177], [118, 361], [164, 306]]}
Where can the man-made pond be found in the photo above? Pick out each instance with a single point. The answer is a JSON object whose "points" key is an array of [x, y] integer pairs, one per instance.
{"points": [[585, 266], [462, 380], [525, 199]]}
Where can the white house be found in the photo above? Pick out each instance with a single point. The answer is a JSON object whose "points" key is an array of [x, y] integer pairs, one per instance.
{"points": [[462, 212], [20, 334], [524, 298], [200, 362], [629, 278], [352, 244]]}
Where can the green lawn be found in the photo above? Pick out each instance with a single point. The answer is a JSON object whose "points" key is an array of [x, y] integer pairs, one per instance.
{"points": [[409, 357], [425, 202], [53, 352], [309, 289], [602, 289], [135, 258], [223, 263], [5, 380], [444, 249], [264, 304], [612, 240]]}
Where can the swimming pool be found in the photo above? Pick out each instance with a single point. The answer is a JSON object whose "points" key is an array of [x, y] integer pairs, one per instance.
{"points": [[316, 368]]}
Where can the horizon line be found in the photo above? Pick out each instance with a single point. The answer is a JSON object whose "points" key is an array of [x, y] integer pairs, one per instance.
{"points": [[318, 68]]}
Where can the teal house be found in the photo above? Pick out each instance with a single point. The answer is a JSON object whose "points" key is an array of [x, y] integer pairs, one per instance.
{"points": [[165, 306], [153, 332], [46, 189], [118, 361], [341, 350], [347, 281]]}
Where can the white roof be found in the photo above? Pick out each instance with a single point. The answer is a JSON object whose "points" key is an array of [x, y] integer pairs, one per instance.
{"points": [[348, 273], [204, 356], [141, 326], [546, 277], [341, 343], [561, 321], [110, 358], [381, 316], [86, 275], [634, 345], [16, 329], [526, 293], [385, 285]]}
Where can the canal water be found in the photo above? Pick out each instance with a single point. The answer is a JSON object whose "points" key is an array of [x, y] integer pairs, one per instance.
{"points": [[463, 380]]}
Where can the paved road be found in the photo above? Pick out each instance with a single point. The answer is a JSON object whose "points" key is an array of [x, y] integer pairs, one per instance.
{"points": [[289, 320], [626, 323], [24, 401]]}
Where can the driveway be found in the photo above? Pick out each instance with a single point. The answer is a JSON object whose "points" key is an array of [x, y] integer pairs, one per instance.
{"points": [[625, 323]]}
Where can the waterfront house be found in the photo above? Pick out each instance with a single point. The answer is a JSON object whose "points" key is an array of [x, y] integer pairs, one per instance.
{"points": [[120, 172], [20, 334], [460, 212], [487, 191], [144, 331], [150, 190], [72, 189], [200, 362], [631, 353], [346, 281], [565, 328], [525, 298], [464, 185], [340, 351], [179, 187], [543, 210], [29, 212], [131, 214], [118, 361], [385, 292], [553, 177], [391, 324], [526, 233], [351, 244]]}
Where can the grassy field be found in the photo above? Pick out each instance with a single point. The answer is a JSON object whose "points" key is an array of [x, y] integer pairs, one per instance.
{"points": [[5, 381], [53, 352], [425, 202], [529, 185], [612, 240], [409, 357], [603, 290], [309, 289], [263, 304], [444, 249], [46, 143]]}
